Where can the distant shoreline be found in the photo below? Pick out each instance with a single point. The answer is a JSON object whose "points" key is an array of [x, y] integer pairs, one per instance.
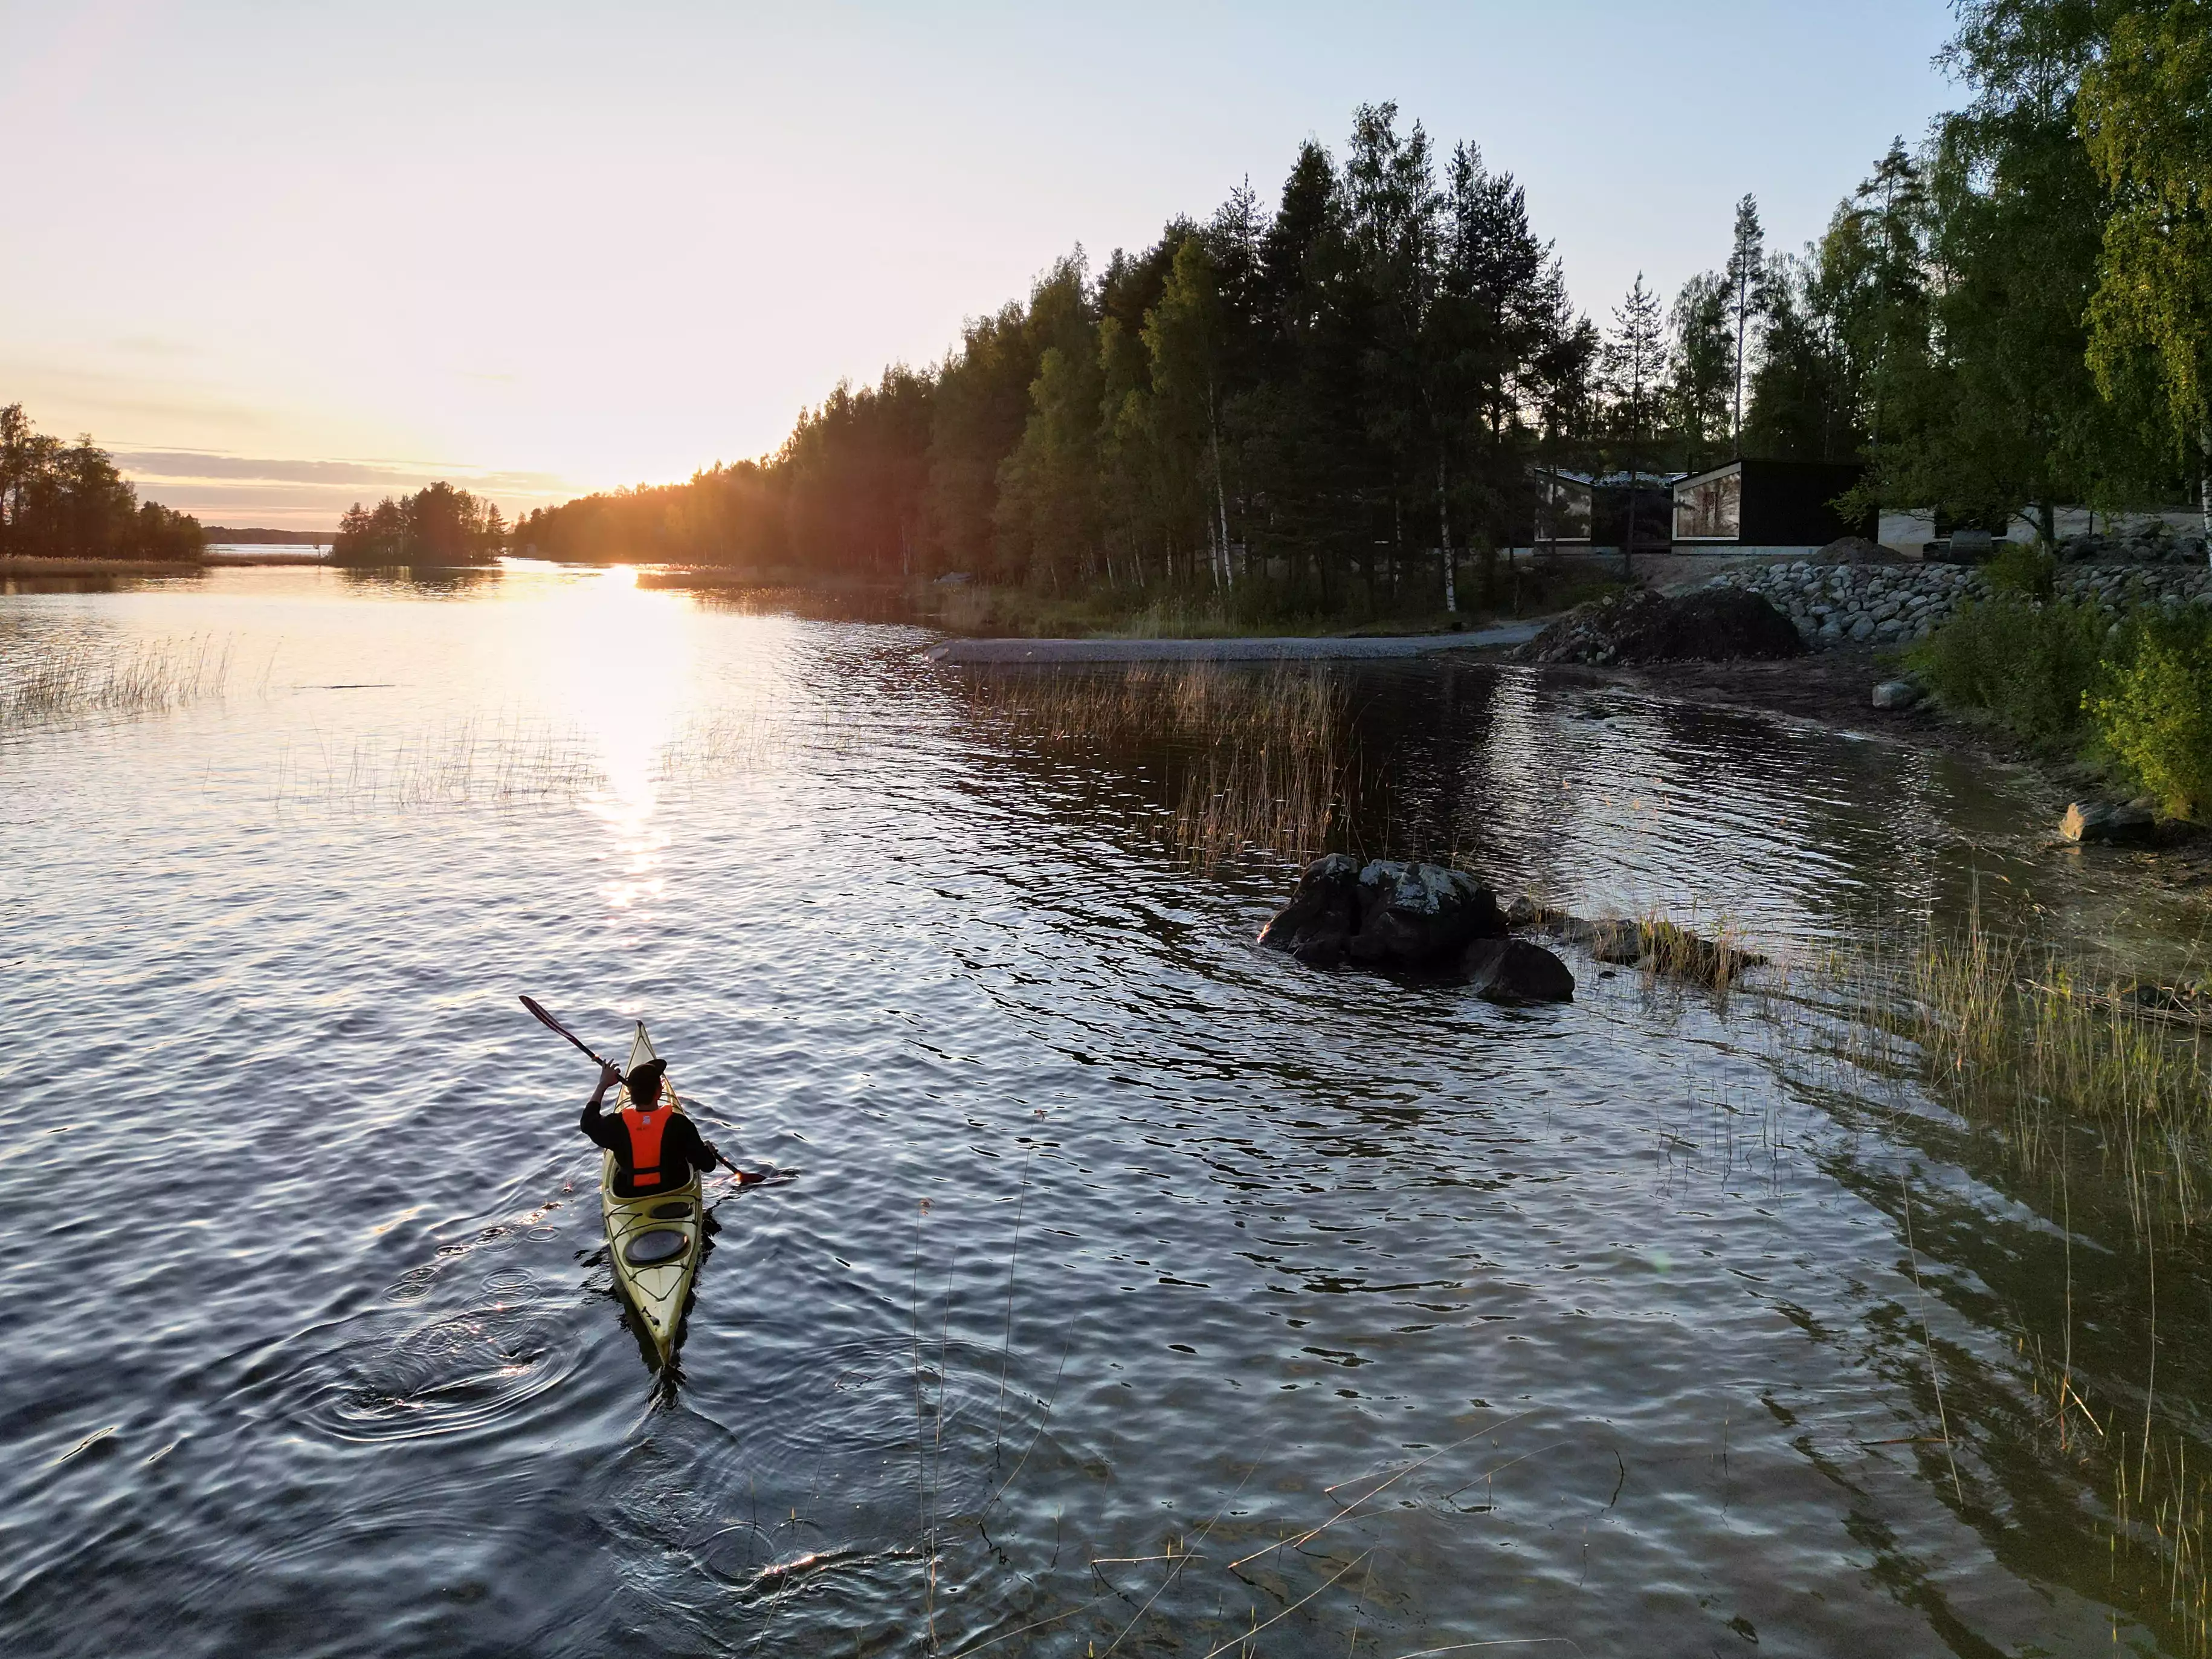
{"points": [[16, 564]]}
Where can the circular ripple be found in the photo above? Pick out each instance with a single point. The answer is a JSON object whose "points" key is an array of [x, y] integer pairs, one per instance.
{"points": [[881, 1413], [467, 1372], [509, 1284]]}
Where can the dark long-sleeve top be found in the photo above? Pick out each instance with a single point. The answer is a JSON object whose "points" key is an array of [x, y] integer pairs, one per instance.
{"points": [[682, 1149]]}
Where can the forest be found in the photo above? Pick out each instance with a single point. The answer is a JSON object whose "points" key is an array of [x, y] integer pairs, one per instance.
{"points": [[67, 501], [1317, 396]]}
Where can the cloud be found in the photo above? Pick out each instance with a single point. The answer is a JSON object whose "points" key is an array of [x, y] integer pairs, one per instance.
{"points": [[202, 465], [281, 493]]}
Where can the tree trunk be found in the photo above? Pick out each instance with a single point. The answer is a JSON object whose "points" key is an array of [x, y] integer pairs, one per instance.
{"points": [[1397, 543], [1735, 436], [1444, 539], [2204, 488], [1628, 540]]}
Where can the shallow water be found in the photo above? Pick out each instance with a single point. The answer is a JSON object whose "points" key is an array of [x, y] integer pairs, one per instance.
{"points": [[1119, 1257]]}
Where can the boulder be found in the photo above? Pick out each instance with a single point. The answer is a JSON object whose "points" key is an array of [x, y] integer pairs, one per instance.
{"points": [[1386, 914], [1316, 926], [1420, 916], [1515, 970], [1856, 549], [1896, 695], [1609, 938], [2110, 823], [1525, 913]]}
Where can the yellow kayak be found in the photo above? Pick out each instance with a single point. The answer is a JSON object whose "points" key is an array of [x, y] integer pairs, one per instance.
{"points": [[654, 1240]]}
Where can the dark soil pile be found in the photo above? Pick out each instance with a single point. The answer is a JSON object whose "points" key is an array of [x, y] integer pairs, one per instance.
{"points": [[1712, 624]]}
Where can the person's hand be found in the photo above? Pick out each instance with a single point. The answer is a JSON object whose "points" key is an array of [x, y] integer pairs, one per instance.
{"points": [[609, 1075]]}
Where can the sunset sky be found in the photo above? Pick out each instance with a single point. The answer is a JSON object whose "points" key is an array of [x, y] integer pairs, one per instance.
{"points": [[280, 257]]}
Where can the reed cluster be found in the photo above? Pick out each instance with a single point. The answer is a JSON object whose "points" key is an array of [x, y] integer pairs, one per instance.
{"points": [[2101, 1084], [1258, 762], [471, 763], [46, 679], [2036, 1041]]}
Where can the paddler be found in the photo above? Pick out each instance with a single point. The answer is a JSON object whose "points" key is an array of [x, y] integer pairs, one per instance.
{"points": [[656, 1147]]}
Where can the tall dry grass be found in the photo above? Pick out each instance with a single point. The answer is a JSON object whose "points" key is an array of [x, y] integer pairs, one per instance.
{"points": [[472, 762], [2099, 1086], [2039, 1043], [47, 680], [508, 762], [1264, 762]]}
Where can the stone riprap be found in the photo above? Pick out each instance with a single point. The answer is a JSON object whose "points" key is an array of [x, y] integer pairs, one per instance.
{"points": [[1834, 605], [2151, 543]]}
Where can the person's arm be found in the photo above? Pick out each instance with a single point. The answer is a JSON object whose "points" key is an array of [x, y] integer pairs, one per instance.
{"points": [[596, 1128], [702, 1156]]}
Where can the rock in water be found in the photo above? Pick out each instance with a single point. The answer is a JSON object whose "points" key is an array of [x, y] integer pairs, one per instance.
{"points": [[1421, 916], [1316, 926], [2110, 823], [1416, 916], [1515, 970]]}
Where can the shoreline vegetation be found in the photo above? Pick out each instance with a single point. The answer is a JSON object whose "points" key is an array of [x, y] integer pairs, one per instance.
{"points": [[62, 501], [1356, 399]]}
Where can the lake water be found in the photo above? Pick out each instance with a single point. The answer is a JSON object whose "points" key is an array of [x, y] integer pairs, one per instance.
{"points": [[1136, 1290]]}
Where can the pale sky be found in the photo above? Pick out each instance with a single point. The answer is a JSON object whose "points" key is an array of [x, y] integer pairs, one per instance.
{"points": [[277, 256]]}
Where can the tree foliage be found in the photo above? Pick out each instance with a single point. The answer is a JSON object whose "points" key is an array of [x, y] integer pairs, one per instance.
{"points": [[68, 501], [2145, 111], [1341, 396], [1338, 396], [436, 525]]}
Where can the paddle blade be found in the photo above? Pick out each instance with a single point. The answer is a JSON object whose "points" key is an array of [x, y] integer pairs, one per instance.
{"points": [[538, 1013]]}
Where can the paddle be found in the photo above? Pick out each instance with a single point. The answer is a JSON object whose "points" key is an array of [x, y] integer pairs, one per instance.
{"points": [[538, 1012]]}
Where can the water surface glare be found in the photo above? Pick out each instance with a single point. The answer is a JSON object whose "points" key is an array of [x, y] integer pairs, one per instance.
{"points": [[1135, 1286]]}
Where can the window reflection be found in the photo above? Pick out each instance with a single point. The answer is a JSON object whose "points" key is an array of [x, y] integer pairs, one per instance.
{"points": [[1710, 509]]}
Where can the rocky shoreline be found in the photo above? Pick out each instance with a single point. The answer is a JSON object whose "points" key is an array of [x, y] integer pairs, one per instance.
{"points": [[1877, 604]]}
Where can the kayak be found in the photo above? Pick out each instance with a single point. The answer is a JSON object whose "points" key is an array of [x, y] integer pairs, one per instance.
{"points": [[653, 1240]]}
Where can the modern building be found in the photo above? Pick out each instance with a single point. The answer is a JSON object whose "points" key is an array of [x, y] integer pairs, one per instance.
{"points": [[1578, 513], [1917, 533], [1766, 507]]}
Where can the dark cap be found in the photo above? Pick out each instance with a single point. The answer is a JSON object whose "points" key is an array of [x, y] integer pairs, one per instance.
{"points": [[645, 1077]]}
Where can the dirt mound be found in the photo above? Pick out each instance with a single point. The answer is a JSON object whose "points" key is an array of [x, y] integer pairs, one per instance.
{"points": [[1713, 625], [1856, 549]]}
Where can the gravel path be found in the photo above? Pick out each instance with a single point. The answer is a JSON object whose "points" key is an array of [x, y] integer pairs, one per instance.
{"points": [[1222, 650]]}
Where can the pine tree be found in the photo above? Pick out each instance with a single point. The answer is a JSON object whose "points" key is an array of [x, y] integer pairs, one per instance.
{"points": [[1746, 265], [1635, 360]]}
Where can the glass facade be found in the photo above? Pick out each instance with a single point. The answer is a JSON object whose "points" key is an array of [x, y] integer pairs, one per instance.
{"points": [[1710, 509], [1563, 510]]}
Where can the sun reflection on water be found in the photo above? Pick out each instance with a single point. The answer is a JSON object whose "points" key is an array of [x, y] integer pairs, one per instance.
{"points": [[626, 674]]}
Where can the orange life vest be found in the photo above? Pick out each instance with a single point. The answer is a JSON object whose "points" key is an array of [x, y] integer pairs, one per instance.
{"points": [[645, 1129]]}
